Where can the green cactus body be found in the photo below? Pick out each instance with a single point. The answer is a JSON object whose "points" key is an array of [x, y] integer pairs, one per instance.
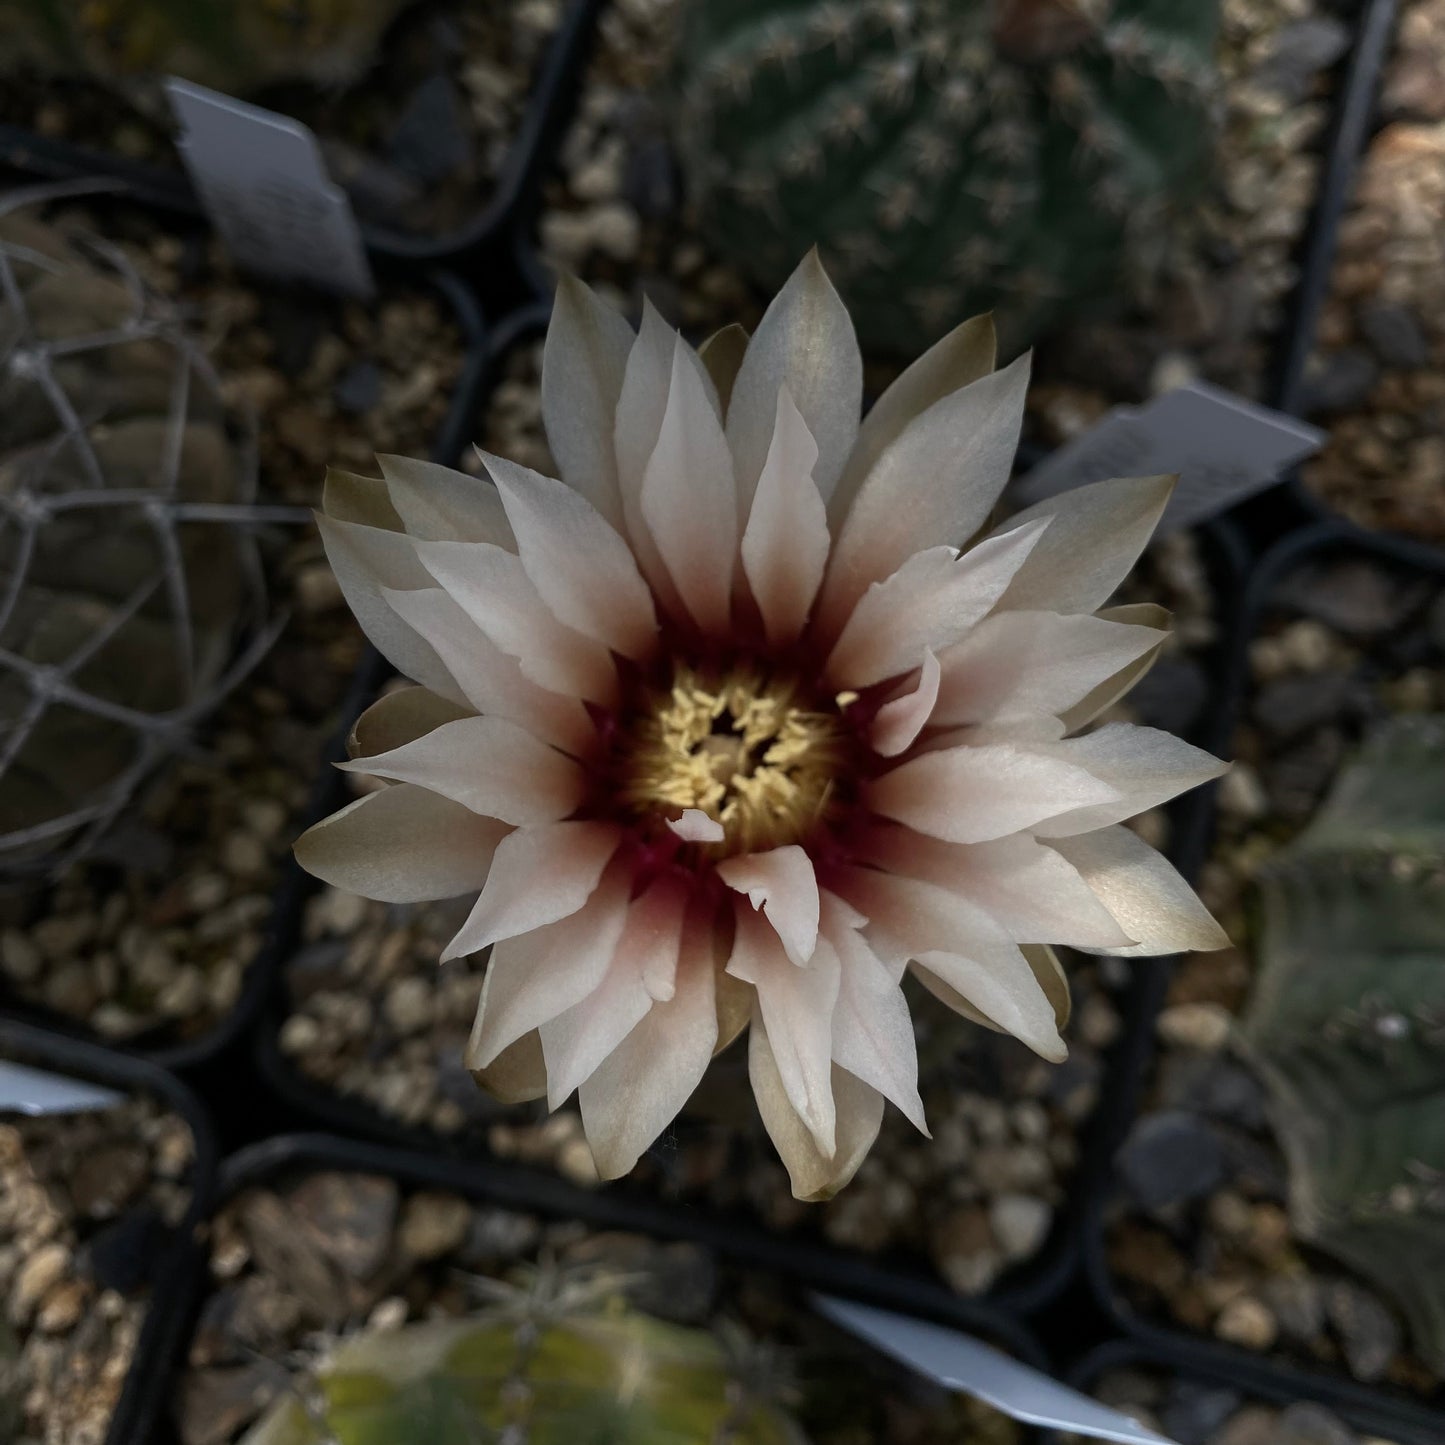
{"points": [[235, 47], [948, 156], [530, 1376], [1347, 1021]]}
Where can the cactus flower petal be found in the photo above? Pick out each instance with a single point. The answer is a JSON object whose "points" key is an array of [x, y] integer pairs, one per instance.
{"points": [[718, 756]]}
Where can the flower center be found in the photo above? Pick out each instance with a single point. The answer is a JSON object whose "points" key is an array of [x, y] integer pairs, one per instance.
{"points": [[746, 749]]}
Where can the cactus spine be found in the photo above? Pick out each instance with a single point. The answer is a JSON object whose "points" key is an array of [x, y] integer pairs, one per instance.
{"points": [[948, 156], [1347, 1021]]}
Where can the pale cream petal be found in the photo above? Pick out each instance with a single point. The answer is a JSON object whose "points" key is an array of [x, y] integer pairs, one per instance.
{"points": [[722, 357], [933, 484], [695, 826], [536, 976], [492, 587], [640, 410], [584, 360], [400, 717], [1108, 692], [539, 874], [1095, 536], [783, 884], [488, 765], [797, 1005], [901, 719], [1052, 979], [643, 970], [805, 342], [636, 1092], [872, 1029], [517, 1075], [1144, 766], [965, 355], [1144, 891], [401, 845], [815, 1176], [1026, 887], [1011, 997], [438, 504], [582, 569], [493, 682], [348, 497], [1020, 663], [785, 544], [929, 603], [688, 499], [366, 559], [972, 794]]}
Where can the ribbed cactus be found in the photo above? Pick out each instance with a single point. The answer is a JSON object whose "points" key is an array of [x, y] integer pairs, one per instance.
{"points": [[556, 1361], [948, 156], [129, 596], [234, 47], [1347, 1021]]}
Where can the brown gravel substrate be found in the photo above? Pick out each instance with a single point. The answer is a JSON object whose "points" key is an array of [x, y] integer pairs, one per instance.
{"points": [[156, 933], [419, 141], [1199, 1232], [1193, 1412], [1378, 378], [85, 1200], [323, 1254], [616, 214]]}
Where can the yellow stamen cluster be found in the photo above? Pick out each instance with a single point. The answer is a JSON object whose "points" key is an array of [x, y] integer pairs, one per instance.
{"points": [[743, 749]]}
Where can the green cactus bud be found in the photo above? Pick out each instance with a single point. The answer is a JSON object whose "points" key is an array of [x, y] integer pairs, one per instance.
{"points": [[948, 156], [1347, 1021], [559, 1361]]}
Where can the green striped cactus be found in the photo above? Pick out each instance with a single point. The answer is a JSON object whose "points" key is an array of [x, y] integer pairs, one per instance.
{"points": [[558, 1362], [948, 156], [1347, 1021]]}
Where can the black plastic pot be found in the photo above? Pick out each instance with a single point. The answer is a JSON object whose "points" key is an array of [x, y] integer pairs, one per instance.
{"points": [[1324, 541], [290, 1157], [159, 1045], [147, 1385], [1278, 1387], [483, 242]]}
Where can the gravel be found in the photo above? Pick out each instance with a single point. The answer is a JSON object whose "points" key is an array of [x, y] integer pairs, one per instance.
{"points": [[86, 1203], [298, 1264]]}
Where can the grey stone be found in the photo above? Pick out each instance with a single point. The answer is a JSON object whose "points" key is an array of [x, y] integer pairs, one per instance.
{"points": [[1300, 52], [430, 139], [1395, 334], [1298, 1303], [1193, 1413], [1369, 1333], [497, 1236], [1306, 1424], [358, 388], [1171, 695], [349, 1218], [213, 1406], [1339, 381], [1358, 598], [1295, 780], [1289, 706], [1217, 1086], [1170, 1158]]}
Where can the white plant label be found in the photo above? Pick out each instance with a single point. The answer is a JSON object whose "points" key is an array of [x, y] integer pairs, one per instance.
{"points": [[960, 1362], [1223, 448], [263, 183], [24, 1090]]}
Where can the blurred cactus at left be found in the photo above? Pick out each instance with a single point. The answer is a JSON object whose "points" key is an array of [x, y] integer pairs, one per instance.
{"points": [[1347, 1021], [556, 1360], [236, 48]]}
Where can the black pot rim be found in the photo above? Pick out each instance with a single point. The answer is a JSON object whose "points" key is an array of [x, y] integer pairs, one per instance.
{"points": [[144, 1394]]}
